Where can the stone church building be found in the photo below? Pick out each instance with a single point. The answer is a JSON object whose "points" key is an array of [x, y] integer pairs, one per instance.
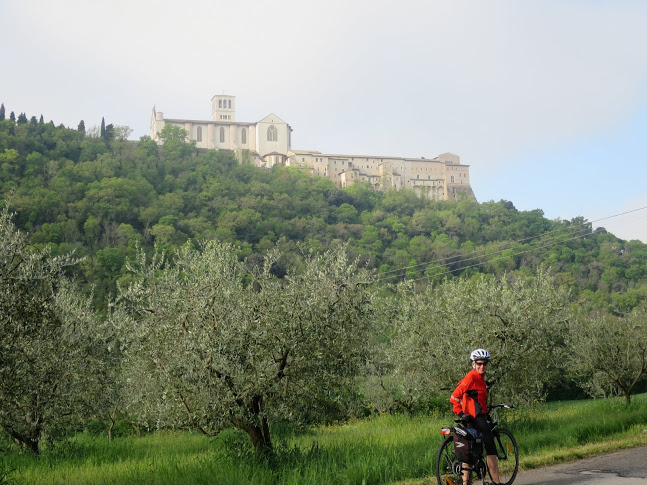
{"points": [[268, 142]]}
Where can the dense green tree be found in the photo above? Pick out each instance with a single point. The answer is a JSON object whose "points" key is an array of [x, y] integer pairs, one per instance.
{"points": [[2, 112], [175, 147], [521, 322], [109, 133], [45, 338], [229, 353], [608, 354]]}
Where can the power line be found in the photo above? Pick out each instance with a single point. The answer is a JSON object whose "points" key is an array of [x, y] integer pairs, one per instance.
{"points": [[440, 273], [477, 252], [620, 214], [582, 232]]}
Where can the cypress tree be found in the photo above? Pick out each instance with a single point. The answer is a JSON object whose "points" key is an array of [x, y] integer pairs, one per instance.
{"points": [[12, 117], [103, 127], [1, 111], [41, 121], [110, 133], [81, 127], [22, 119]]}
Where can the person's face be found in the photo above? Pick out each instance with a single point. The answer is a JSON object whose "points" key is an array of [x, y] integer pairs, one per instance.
{"points": [[480, 366]]}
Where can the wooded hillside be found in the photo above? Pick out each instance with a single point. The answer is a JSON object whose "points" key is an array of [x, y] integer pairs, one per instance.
{"points": [[100, 195]]}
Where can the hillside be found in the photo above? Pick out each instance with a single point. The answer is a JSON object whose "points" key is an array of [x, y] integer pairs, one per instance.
{"points": [[100, 196]]}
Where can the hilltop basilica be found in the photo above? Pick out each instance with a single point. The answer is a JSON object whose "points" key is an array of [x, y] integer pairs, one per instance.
{"points": [[267, 142]]}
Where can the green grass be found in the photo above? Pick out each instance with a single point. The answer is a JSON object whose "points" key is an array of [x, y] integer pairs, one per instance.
{"points": [[382, 450]]}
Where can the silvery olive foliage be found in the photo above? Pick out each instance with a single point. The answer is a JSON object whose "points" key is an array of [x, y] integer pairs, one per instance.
{"points": [[520, 321], [221, 344], [608, 355], [48, 358]]}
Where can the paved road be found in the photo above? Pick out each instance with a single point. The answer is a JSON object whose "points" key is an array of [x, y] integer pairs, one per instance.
{"points": [[627, 467]]}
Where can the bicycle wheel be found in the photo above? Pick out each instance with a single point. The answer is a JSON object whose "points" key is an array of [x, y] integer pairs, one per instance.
{"points": [[508, 454], [448, 468]]}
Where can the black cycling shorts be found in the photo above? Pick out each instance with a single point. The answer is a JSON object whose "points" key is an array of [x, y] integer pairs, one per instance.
{"points": [[482, 425]]}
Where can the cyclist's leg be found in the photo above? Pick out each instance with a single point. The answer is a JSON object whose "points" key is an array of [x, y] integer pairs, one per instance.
{"points": [[466, 473], [481, 424], [493, 466]]}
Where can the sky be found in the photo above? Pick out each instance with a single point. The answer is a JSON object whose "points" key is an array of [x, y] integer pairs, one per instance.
{"points": [[546, 101]]}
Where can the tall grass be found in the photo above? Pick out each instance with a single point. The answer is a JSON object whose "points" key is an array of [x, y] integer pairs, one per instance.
{"points": [[381, 450]]}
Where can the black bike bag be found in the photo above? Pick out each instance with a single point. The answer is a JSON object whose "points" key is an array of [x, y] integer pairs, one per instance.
{"points": [[468, 444]]}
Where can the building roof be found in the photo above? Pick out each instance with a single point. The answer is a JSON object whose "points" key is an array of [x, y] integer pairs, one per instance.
{"points": [[208, 122], [377, 157]]}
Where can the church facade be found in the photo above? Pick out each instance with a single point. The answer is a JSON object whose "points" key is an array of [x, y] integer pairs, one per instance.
{"points": [[268, 142]]}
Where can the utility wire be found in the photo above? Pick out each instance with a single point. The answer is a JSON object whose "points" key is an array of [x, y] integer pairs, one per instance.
{"points": [[440, 273], [482, 251], [583, 231]]}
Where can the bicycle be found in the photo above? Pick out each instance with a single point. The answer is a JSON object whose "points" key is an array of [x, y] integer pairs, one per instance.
{"points": [[449, 469]]}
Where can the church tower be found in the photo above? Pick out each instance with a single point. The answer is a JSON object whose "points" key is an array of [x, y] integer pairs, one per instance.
{"points": [[223, 108]]}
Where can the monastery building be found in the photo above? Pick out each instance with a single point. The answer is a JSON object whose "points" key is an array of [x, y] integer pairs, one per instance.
{"points": [[268, 142]]}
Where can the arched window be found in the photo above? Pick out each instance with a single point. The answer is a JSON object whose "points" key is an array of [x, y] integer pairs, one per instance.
{"points": [[229, 103], [222, 135], [272, 133], [243, 136], [220, 103], [199, 134]]}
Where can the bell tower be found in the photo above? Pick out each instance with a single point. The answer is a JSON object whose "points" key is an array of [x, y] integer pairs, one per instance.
{"points": [[223, 108]]}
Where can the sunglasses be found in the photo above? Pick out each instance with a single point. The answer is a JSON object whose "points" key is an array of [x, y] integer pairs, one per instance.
{"points": [[481, 363]]}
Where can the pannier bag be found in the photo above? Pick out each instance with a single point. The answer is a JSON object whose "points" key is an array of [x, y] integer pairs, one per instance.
{"points": [[468, 444]]}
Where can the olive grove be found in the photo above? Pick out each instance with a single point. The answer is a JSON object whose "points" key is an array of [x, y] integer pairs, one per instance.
{"points": [[608, 355], [220, 343], [48, 356], [522, 322]]}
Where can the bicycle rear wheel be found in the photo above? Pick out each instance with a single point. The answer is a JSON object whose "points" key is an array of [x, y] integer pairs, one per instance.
{"points": [[508, 454], [448, 468]]}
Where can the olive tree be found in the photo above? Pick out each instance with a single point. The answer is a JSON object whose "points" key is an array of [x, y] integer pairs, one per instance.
{"points": [[520, 321], [46, 345], [227, 345], [607, 354]]}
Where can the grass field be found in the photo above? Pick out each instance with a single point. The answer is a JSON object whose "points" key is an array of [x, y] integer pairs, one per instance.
{"points": [[381, 450]]}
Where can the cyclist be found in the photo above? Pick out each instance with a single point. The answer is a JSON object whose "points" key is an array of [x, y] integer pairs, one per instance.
{"points": [[469, 402]]}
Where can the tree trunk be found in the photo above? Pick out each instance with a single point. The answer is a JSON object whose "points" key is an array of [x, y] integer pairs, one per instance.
{"points": [[30, 440], [32, 444], [260, 439], [258, 429]]}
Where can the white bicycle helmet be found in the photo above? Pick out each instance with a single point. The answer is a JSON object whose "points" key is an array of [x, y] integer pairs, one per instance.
{"points": [[480, 354]]}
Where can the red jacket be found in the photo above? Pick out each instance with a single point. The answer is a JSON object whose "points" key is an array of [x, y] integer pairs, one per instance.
{"points": [[462, 403]]}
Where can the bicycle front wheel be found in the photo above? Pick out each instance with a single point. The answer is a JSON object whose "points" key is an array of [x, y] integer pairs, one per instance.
{"points": [[448, 468], [508, 455]]}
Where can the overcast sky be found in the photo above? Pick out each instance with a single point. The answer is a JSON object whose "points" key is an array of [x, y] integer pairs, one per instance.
{"points": [[545, 100]]}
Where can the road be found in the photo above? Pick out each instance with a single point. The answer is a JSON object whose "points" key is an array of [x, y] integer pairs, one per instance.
{"points": [[627, 467]]}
